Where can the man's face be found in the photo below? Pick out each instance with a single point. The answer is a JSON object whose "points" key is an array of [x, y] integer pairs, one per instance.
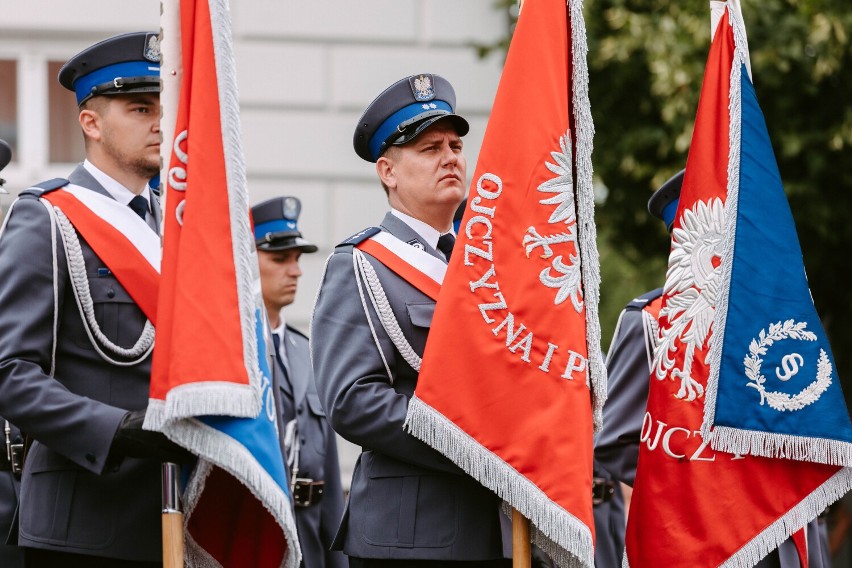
{"points": [[130, 132], [428, 173], [279, 274]]}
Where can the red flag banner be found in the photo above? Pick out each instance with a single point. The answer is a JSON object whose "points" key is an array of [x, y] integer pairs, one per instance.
{"points": [[210, 381], [512, 375], [692, 505]]}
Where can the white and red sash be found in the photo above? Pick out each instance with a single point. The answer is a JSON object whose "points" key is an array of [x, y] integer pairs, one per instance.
{"points": [[120, 238], [414, 265]]}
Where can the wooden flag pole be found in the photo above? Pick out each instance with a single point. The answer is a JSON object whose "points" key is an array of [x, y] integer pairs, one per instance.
{"points": [[171, 74], [521, 550], [521, 553], [172, 518]]}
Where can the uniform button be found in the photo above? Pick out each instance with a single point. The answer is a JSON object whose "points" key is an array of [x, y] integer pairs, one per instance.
{"points": [[110, 293], [303, 440], [300, 409], [91, 457]]}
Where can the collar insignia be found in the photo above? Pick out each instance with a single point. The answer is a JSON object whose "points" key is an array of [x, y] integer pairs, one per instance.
{"points": [[417, 244]]}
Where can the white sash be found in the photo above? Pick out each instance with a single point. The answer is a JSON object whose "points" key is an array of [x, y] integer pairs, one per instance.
{"points": [[419, 259], [124, 220]]}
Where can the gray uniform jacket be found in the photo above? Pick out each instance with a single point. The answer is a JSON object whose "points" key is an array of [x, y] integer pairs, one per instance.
{"points": [[617, 445], [609, 525], [318, 461], [11, 555], [72, 498], [406, 500]]}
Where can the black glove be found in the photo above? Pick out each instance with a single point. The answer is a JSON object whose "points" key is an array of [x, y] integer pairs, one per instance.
{"points": [[131, 441]]}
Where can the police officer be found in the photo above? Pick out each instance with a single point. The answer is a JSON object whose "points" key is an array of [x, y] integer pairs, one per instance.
{"points": [[408, 505], [75, 348], [629, 365], [608, 511], [309, 441], [10, 456]]}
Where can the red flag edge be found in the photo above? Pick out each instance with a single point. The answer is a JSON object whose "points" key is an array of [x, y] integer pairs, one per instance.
{"points": [[794, 520], [237, 461], [566, 539]]}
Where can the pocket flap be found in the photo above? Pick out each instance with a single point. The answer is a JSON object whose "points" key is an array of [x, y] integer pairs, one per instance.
{"points": [[421, 314], [314, 404]]}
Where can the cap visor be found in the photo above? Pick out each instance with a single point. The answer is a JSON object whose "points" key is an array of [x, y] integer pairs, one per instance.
{"points": [[459, 123], [287, 244]]}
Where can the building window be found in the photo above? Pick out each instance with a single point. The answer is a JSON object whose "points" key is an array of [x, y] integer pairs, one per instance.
{"points": [[66, 140], [9, 103]]}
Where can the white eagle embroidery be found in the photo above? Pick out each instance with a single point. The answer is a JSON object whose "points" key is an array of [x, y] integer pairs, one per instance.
{"points": [[423, 85], [567, 278], [692, 285]]}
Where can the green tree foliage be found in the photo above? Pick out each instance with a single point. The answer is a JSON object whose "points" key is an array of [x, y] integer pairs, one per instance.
{"points": [[646, 65]]}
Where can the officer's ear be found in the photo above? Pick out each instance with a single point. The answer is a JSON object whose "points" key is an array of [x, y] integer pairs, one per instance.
{"points": [[91, 114], [386, 171]]}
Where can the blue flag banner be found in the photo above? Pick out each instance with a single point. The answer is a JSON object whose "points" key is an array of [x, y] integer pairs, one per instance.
{"points": [[773, 388], [237, 498], [258, 435]]}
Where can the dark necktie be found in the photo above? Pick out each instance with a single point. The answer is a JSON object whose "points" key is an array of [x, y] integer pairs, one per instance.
{"points": [[276, 340], [445, 244], [140, 205], [276, 343]]}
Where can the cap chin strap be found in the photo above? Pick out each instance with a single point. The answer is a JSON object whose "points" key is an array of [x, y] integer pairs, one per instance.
{"points": [[119, 85], [393, 125]]}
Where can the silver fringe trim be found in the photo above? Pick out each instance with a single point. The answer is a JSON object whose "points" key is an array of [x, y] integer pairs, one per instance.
{"points": [[731, 208], [770, 445], [559, 533], [194, 555], [586, 229], [217, 450], [199, 399], [244, 253], [794, 520]]}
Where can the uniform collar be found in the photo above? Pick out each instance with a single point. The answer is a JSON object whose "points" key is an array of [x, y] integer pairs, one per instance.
{"points": [[426, 231], [115, 189]]}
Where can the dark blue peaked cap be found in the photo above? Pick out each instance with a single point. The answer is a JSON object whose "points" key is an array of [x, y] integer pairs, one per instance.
{"points": [[404, 110], [275, 225], [126, 63], [663, 203]]}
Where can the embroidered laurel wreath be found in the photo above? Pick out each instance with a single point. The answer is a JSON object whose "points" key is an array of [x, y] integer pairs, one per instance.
{"points": [[779, 400]]}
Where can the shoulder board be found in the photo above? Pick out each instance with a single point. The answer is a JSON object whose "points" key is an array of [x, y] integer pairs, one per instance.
{"points": [[296, 331], [360, 236], [644, 299], [45, 187]]}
